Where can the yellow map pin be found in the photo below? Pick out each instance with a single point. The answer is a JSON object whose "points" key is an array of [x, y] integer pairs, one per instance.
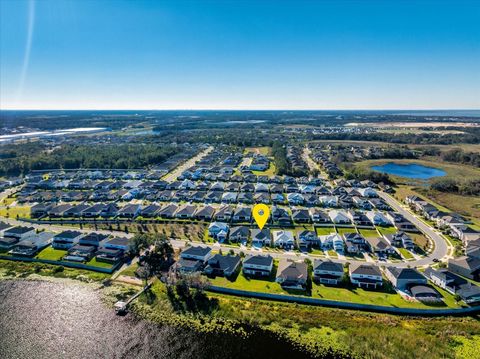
{"points": [[261, 212]]}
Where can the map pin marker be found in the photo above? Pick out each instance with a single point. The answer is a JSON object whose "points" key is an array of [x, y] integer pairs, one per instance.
{"points": [[261, 212]]}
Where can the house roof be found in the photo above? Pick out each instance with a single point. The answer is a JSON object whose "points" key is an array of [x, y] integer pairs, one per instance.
{"points": [[365, 269], [327, 265], [225, 263], [196, 251], [69, 234], [405, 273], [470, 263], [258, 260], [239, 230], [292, 270]]}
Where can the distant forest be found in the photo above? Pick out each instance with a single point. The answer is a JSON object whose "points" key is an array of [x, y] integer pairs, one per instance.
{"points": [[20, 159]]}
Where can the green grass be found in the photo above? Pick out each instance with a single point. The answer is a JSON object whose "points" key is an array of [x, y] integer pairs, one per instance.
{"points": [[323, 231], [367, 233], [405, 253], [130, 270], [94, 263], [52, 254], [387, 230], [332, 253], [13, 212], [342, 230]]}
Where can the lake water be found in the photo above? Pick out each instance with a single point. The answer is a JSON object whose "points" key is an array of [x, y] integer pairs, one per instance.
{"points": [[411, 170], [68, 320]]}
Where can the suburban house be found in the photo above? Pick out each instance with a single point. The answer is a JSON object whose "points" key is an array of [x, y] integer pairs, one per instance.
{"points": [[239, 234], [66, 239], [242, 214], [468, 267], [260, 237], [184, 265], [404, 278], [400, 239], [469, 292], [185, 211], [31, 245], [283, 239], [258, 265], [92, 239], [378, 218], [319, 216], [339, 217], [366, 276], [292, 274], [222, 265], [80, 253], [218, 230], [379, 246], [307, 239], [19, 232], [327, 271], [224, 213], [118, 243], [197, 253]]}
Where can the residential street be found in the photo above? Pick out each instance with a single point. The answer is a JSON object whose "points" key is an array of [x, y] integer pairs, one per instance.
{"points": [[177, 171], [442, 247]]}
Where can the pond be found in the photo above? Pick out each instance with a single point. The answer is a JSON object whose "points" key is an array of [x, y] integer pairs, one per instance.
{"points": [[410, 170]]}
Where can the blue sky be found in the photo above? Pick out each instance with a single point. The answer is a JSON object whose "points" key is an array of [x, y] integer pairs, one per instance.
{"points": [[113, 54]]}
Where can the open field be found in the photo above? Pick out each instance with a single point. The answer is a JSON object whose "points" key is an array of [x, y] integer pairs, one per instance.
{"points": [[266, 151], [468, 206], [13, 212], [464, 146]]}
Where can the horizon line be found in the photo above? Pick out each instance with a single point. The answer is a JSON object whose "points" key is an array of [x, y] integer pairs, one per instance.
{"points": [[240, 109]]}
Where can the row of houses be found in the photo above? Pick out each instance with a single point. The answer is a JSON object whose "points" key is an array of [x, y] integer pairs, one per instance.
{"points": [[294, 274], [80, 246], [455, 225]]}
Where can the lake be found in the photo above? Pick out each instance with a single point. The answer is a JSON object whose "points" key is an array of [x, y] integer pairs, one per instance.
{"points": [[40, 319], [410, 170]]}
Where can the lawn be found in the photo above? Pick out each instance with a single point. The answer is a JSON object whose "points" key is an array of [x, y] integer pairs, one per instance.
{"points": [[405, 253], [344, 294], [13, 212], [52, 254], [323, 231], [267, 285], [130, 270], [261, 150], [342, 230], [387, 230], [94, 263], [367, 233]]}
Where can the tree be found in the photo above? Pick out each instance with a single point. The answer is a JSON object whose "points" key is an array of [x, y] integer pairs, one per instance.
{"points": [[138, 243], [159, 258]]}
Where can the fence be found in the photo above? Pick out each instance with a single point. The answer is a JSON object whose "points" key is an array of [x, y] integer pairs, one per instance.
{"points": [[346, 305]]}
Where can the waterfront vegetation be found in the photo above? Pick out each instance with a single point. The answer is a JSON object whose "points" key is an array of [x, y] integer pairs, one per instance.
{"points": [[321, 331], [11, 269]]}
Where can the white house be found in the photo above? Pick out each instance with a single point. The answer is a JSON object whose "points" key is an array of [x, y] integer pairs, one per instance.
{"points": [[283, 239], [378, 218], [215, 228], [339, 217]]}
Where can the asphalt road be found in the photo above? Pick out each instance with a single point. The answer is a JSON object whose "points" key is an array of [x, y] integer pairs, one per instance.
{"points": [[177, 171], [442, 247]]}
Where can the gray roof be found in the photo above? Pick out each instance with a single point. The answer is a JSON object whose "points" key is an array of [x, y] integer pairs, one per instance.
{"points": [[405, 273], [365, 269], [258, 260], [196, 251], [327, 265]]}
